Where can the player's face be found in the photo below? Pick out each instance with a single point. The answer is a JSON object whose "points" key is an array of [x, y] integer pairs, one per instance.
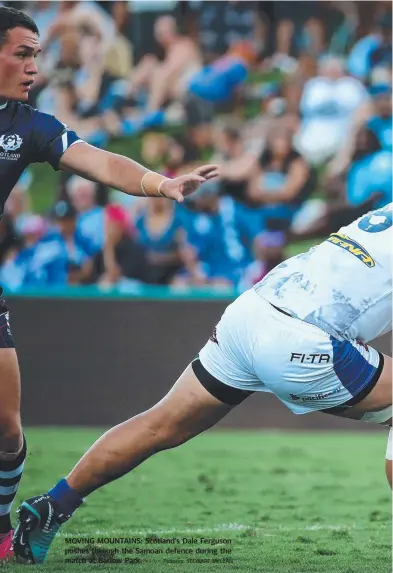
{"points": [[18, 67]]}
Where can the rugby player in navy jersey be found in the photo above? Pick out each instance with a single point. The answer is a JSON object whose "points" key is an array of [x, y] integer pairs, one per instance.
{"points": [[301, 333], [29, 136]]}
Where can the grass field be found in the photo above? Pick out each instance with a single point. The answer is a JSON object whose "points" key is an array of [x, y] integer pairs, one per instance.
{"points": [[274, 502]]}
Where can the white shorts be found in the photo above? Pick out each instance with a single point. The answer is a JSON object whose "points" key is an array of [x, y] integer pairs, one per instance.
{"points": [[255, 347]]}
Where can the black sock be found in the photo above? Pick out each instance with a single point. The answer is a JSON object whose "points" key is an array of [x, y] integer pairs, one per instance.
{"points": [[10, 476]]}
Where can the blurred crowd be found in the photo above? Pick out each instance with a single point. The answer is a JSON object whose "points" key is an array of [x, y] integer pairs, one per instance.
{"points": [[293, 99]]}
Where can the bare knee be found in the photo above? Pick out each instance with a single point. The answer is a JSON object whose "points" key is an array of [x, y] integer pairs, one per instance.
{"points": [[10, 435], [187, 410], [168, 433]]}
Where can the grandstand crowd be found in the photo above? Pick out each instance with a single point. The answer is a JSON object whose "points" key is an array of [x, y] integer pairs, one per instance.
{"points": [[293, 99]]}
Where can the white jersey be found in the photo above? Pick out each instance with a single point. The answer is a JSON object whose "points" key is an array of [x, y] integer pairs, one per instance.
{"points": [[343, 285]]}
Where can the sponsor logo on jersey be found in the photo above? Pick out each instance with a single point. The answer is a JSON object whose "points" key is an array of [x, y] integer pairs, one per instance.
{"points": [[352, 247], [320, 396], [10, 144]]}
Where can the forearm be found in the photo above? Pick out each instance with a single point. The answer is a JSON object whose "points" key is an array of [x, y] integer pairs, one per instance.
{"points": [[110, 169], [121, 173]]}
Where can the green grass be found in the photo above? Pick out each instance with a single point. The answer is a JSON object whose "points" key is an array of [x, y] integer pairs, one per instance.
{"points": [[287, 502]]}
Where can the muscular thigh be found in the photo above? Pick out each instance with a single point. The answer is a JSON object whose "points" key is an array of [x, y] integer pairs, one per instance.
{"points": [[9, 370], [189, 405]]}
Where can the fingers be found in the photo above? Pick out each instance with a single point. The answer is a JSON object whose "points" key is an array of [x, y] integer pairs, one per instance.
{"points": [[208, 171], [178, 197], [191, 177], [212, 174]]}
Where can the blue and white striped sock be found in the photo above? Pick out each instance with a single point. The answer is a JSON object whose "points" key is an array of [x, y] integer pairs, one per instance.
{"points": [[10, 476]]}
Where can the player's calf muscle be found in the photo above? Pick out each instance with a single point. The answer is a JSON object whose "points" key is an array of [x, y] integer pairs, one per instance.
{"points": [[10, 423], [186, 411]]}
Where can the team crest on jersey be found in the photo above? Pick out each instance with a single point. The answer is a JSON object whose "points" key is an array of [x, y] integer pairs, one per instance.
{"points": [[10, 143], [352, 247]]}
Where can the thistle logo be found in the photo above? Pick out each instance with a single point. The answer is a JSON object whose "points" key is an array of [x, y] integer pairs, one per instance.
{"points": [[10, 144]]}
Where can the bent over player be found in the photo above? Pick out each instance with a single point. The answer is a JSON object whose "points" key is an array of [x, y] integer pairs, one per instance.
{"points": [[302, 333], [28, 136]]}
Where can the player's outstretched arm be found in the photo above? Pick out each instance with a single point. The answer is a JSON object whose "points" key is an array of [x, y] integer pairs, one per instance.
{"points": [[129, 176]]}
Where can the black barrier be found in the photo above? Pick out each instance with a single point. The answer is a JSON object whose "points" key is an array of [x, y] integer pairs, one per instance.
{"points": [[98, 362]]}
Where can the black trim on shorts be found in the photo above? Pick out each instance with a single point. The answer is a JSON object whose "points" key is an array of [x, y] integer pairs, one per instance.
{"points": [[363, 393], [226, 394], [281, 310]]}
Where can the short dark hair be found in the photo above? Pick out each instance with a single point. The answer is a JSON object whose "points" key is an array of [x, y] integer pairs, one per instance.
{"points": [[11, 18]]}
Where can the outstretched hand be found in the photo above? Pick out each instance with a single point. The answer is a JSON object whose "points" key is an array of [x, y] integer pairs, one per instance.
{"points": [[184, 185]]}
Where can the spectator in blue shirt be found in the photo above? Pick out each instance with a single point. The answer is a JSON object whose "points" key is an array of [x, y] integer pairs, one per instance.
{"points": [[370, 172], [78, 247], [381, 122], [218, 239], [281, 180], [373, 51], [90, 218], [41, 263], [159, 231]]}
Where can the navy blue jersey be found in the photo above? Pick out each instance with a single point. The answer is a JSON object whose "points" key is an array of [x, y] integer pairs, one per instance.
{"points": [[28, 136]]}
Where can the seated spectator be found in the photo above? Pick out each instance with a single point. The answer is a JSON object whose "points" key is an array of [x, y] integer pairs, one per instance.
{"points": [[327, 107], [154, 83], [365, 185], [297, 30], [74, 14], [165, 80], [269, 251], [119, 58], [218, 239], [370, 171], [121, 261], [19, 202], [79, 249], [381, 122], [90, 216], [181, 156], [77, 89], [278, 111], [281, 181], [378, 117], [219, 81], [222, 24], [40, 263], [236, 159], [374, 51], [159, 231]]}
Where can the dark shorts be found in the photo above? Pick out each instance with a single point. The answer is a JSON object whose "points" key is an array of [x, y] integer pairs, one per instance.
{"points": [[6, 340]]}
